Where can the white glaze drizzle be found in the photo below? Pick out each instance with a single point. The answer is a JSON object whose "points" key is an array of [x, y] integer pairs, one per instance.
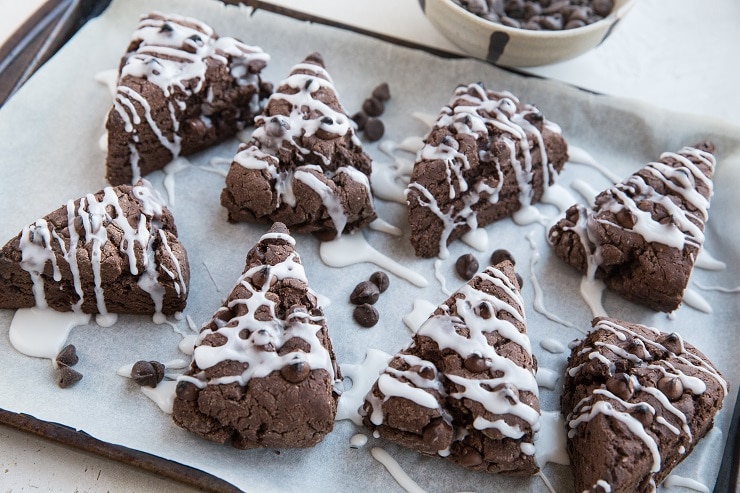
{"points": [[358, 440], [42, 332], [678, 481], [260, 333], [354, 249], [472, 111], [552, 345], [403, 479], [37, 242], [695, 300], [550, 441], [721, 289], [440, 277], [308, 115], [578, 155], [362, 376], [547, 378], [422, 310], [706, 260], [498, 395], [173, 53]]}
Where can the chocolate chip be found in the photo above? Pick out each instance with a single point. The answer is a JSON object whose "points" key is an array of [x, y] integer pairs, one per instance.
{"points": [[260, 277], [514, 8], [475, 363], [435, 432], [327, 120], [621, 385], [500, 255], [466, 266], [316, 58], [672, 342], [519, 281], [552, 22], [602, 7], [637, 347], [196, 39], [427, 373], [382, 92], [308, 83], [325, 234], [484, 310], [511, 22], [68, 377], [364, 292], [625, 218], [671, 387], [380, 279], [374, 129], [68, 356], [366, 315], [147, 373], [643, 414], [373, 107], [360, 118], [166, 28], [469, 457], [295, 372], [187, 391], [574, 24]]}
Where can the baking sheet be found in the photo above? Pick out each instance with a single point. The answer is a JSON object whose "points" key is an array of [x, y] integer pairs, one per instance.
{"points": [[49, 136]]}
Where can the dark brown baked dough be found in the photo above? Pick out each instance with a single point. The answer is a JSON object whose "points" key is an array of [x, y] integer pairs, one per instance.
{"points": [[487, 156], [263, 370], [181, 89], [636, 401], [304, 165], [121, 238], [465, 388], [643, 235]]}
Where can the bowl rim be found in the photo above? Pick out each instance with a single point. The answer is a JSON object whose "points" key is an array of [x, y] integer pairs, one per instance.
{"points": [[615, 15]]}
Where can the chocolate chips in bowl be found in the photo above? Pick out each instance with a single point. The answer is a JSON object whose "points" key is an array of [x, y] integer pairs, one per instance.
{"points": [[526, 33]]}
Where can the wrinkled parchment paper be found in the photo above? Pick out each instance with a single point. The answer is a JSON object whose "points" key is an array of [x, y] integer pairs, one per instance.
{"points": [[49, 153]]}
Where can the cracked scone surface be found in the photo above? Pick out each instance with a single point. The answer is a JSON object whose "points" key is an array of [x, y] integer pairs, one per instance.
{"points": [[263, 370]]}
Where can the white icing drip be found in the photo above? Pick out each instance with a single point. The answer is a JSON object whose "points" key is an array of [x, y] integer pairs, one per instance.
{"points": [[544, 479], [388, 183], [718, 288], [550, 441], [586, 190], [187, 344], [592, 291], [558, 196], [678, 481], [108, 78], [353, 249], [479, 114], [385, 227], [421, 311], [358, 440], [476, 238], [174, 167], [539, 305], [440, 277], [163, 394], [552, 345], [546, 378], [697, 301], [42, 333], [706, 261], [395, 470], [578, 155]]}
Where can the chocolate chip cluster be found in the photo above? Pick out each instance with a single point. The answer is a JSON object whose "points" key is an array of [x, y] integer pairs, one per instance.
{"points": [[368, 118], [538, 15], [365, 295]]}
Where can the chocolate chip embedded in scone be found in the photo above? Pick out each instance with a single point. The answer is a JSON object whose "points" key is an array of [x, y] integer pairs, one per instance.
{"points": [[303, 166], [643, 235], [263, 370], [465, 388], [486, 157], [181, 89], [636, 401], [113, 251]]}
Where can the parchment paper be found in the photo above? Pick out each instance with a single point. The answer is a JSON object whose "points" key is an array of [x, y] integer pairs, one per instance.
{"points": [[49, 153]]}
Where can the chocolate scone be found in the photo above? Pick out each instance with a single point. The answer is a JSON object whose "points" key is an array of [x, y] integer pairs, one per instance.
{"points": [[181, 88], [304, 165], [643, 235], [263, 370], [636, 401], [465, 387], [114, 251], [487, 156]]}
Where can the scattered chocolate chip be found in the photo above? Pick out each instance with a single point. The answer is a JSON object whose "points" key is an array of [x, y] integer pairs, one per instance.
{"points": [[187, 391], [382, 92], [621, 385], [500, 255], [671, 387], [67, 356], [68, 377], [475, 363], [365, 292], [374, 129], [380, 279], [147, 373], [295, 372], [373, 107], [360, 118], [466, 266], [366, 315]]}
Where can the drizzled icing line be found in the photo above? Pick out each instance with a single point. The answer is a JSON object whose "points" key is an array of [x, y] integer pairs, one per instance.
{"points": [[423, 384], [94, 216], [483, 115]]}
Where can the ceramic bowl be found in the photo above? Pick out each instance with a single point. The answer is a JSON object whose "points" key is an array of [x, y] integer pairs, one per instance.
{"points": [[514, 47]]}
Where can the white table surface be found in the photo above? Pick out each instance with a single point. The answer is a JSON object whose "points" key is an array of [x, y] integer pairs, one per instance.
{"points": [[679, 55]]}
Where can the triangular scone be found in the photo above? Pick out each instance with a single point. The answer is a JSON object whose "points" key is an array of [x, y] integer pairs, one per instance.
{"points": [[114, 251], [643, 235], [181, 88], [263, 370], [636, 401], [465, 388], [487, 156], [304, 165]]}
